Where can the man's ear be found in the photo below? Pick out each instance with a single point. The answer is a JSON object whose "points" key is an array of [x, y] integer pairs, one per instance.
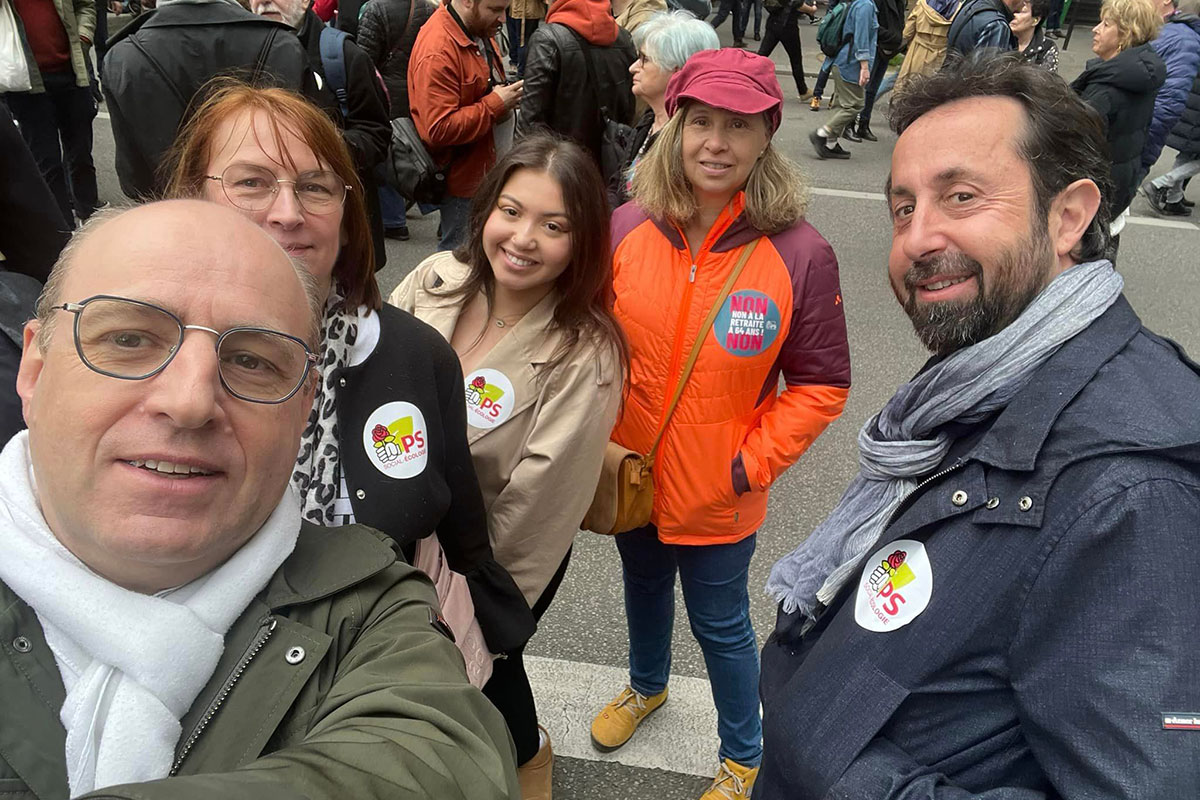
{"points": [[1070, 215], [30, 370]]}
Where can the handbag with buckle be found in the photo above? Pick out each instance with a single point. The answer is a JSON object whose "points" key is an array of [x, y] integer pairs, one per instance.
{"points": [[625, 493]]}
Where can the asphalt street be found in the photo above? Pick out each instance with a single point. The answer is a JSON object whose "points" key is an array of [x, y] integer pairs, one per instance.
{"points": [[578, 657]]}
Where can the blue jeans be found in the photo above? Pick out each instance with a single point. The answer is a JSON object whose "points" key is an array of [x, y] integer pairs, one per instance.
{"points": [[718, 605], [878, 69], [454, 213], [822, 77], [741, 12], [517, 49], [392, 207]]}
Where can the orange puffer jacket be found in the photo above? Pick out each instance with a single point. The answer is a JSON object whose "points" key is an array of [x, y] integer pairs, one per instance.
{"points": [[733, 433]]}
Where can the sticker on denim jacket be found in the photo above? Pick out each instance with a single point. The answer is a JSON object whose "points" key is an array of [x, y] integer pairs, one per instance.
{"points": [[1181, 721], [895, 587], [747, 323], [396, 440], [490, 398]]}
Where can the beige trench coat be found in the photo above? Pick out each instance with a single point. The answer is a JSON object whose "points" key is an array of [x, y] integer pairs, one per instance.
{"points": [[537, 438], [638, 11]]}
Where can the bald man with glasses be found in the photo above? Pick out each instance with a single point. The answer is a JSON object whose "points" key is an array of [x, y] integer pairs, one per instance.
{"points": [[168, 625]]}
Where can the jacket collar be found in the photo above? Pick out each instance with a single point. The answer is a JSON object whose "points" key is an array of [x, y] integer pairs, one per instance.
{"points": [[1016, 439], [327, 561], [731, 229], [527, 341]]}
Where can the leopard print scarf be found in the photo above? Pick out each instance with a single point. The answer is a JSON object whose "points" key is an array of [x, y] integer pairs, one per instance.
{"points": [[316, 475]]}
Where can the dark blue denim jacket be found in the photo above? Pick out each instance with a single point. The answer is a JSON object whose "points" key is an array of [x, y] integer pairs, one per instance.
{"points": [[1058, 654]]}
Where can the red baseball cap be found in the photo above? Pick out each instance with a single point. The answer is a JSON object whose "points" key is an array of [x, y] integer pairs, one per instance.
{"points": [[731, 79]]}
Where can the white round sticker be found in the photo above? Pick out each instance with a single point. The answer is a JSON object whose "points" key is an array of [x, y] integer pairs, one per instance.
{"points": [[490, 398], [895, 586], [396, 440]]}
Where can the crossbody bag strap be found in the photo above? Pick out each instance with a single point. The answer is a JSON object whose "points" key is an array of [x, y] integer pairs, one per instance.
{"points": [[700, 336]]}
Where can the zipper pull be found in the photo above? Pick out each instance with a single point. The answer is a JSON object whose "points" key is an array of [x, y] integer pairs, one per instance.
{"points": [[692, 276]]}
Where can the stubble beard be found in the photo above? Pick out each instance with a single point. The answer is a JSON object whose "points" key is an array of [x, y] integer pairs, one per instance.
{"points": [[1020, 274]]}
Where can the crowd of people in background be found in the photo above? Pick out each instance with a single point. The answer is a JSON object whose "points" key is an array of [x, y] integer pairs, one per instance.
{"points": [[624, 267]]}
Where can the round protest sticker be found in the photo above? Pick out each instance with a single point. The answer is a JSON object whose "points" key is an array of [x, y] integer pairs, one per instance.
{"points": [[895, 587], [747, 323], [490, 398], [395, 440]]}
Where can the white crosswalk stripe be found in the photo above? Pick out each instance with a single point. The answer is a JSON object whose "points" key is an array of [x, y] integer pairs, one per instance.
{"points": [[681, 736]]}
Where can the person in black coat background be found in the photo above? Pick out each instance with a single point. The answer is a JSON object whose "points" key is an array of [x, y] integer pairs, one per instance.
{"points": [[158, 62], [362, 111], [32, 234], [387, 31], [559, 91], [1121, 85]]}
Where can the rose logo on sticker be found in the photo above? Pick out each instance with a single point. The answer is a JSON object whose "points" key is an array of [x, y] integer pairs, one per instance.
{"points": [[895, 587], [747, 324], [490, 398], [395, 440]]}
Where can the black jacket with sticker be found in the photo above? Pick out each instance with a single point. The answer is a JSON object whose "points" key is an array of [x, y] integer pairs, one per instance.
{"points": [[413, 364], [1061, 546]]}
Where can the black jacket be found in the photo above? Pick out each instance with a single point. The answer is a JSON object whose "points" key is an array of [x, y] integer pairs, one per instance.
{"points": [[891, 14], [980, 25], [156, 64], [1185, 136], [367, 130], [1056, 547], [557, 91], [32, 229], [618, 185], [413, 364], [387, 31], [1122, 90]]}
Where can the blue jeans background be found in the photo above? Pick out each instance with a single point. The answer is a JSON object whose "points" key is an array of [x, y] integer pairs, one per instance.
{"points": [[714, 580], [741, 12], [454, 212]]}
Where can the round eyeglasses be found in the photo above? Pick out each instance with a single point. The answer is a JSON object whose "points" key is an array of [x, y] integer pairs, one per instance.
{"points": [[134, 340], [252, 188]]}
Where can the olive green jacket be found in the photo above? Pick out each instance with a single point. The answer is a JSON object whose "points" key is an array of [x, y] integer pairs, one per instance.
{"points": [[337, 682]]}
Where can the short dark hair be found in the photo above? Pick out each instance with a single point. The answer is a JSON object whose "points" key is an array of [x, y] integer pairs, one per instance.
{"points": [[1063, 139], [1040, 10]]}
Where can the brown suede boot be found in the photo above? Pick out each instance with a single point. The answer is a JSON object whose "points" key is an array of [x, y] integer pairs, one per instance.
{"points": [[536, 775]]}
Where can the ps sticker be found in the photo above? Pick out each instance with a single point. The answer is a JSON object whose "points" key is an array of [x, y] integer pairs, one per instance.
{"points": [[490, 398], [395, 440], [747, 323], [895, 587]]}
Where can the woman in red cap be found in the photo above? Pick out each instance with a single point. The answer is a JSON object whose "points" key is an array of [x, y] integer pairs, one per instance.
{"points": [[716, 224]]}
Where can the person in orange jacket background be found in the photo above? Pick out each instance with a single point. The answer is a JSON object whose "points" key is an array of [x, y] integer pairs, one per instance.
{"points": [[733, 434]]}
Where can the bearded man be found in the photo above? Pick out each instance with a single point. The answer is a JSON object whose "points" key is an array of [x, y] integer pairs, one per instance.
{"points": [[1002, 605]]}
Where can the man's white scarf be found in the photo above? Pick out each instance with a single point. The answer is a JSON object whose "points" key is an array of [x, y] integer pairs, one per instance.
{"points": [[132, 664]]}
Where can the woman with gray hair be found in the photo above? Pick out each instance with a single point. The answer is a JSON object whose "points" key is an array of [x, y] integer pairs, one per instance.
{"points": [[664, 43]]}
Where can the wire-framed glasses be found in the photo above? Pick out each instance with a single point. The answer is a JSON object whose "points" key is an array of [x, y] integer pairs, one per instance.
{"points": [[252, 188], [134, 340]]}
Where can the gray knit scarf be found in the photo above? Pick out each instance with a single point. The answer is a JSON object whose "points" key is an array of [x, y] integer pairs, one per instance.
{"points": [[898, 445]]}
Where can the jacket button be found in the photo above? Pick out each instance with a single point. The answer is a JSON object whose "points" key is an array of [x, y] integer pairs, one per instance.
{"points": [[294, 655], [993, 502], [360, 494], [959, 498], [1025, 503], [341, 382], [22, 645]]}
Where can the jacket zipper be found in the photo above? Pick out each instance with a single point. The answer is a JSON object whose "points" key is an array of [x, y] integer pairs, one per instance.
{"points": [[260, 639], [904, 504]]}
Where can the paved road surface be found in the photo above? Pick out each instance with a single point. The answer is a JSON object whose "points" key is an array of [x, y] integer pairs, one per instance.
{"points": [[578, 658]]}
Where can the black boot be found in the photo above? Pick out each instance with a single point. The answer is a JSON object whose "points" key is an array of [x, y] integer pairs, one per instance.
{"points": [[1185, 202], [863, 129]]}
